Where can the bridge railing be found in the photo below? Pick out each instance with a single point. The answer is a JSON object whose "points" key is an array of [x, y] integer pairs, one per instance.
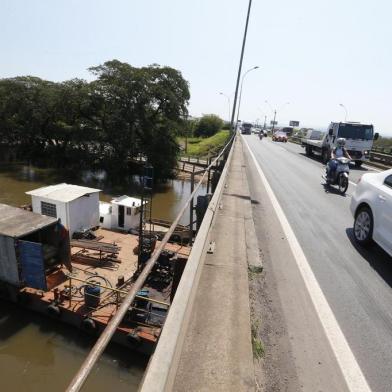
{"points": [[175, 316], [163, 365], [382, 158]]}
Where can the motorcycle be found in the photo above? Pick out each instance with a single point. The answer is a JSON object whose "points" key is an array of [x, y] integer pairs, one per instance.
{"points": [[261, 136], [340, 177]]}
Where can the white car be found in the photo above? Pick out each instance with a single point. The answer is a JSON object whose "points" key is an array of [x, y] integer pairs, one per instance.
{"points": [[371, 206]]}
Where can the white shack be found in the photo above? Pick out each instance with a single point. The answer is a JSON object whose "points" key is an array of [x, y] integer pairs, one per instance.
{"points": [[77, 207], [122, 213]]}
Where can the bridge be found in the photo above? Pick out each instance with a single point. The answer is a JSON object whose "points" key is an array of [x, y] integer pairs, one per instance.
{"points": [[322, 304], [276, 295]]}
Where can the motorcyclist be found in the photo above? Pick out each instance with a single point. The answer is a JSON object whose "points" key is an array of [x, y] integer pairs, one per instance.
{"points": [[261, 134], [337, 152]]}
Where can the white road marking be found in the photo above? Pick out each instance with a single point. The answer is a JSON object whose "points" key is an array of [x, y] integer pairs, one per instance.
{"points": [[349, 366]]}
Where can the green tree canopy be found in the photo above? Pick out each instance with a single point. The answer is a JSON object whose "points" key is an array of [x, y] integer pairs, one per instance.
{"points": [[208, 125], [126, 112]]}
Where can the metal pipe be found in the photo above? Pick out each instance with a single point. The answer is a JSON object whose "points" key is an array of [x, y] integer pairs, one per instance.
{"points": [[242, 82], [104, 339], [191, 209]]}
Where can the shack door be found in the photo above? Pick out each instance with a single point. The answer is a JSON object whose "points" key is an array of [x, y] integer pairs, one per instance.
{"points": [[121, 216], [32, 264]]}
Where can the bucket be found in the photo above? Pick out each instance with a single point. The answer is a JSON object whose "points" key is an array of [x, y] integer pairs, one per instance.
{"points": [[92, 296]]}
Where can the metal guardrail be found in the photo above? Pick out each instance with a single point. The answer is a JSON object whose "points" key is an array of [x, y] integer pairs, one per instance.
{"points": [[163, 365], [104, 339], [383, 150], [384, 159]]}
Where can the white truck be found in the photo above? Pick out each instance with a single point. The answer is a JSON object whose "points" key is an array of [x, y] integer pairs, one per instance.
{"points": [[359, 141]]}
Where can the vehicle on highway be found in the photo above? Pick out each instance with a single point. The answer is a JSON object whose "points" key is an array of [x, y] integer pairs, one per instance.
{"points": [[246, 128], [359, 141], [279, 136], [287, 130], [340, 176], [261, 134], [371, 206]]}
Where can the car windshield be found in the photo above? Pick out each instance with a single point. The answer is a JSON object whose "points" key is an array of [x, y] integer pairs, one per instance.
{"points": [[354, 131], [280, 134], [247, 125]]}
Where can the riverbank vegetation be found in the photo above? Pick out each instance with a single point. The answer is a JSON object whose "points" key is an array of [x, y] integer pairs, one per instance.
{"points": [[202, 147], [110, 122]]}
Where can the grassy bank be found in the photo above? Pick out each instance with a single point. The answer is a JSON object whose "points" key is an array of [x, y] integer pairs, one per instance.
{"points": [[202, 147]]}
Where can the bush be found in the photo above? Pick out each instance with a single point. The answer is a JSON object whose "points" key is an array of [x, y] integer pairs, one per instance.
{"points": [[383, 142], [226, 126], [208, 125]]}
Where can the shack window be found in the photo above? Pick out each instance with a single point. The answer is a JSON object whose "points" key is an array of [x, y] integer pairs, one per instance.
{"points": [[129, 211], [48, 209]]}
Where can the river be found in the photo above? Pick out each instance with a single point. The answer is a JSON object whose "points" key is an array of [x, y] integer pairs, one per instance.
{"points": [[39, 354]]}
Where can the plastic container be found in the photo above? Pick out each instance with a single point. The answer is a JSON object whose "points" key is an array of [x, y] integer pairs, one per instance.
{"points": [[92, 296]]}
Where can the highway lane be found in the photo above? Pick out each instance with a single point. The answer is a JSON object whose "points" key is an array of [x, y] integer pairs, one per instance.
{"points": [[356, 282]]}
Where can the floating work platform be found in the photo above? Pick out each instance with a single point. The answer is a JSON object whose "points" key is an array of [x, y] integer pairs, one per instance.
{"points": [[83, 282]]}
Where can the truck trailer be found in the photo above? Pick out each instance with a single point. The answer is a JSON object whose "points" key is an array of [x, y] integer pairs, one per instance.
{"points": [[359, 141]]}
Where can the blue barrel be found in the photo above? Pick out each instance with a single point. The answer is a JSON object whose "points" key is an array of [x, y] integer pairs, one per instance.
{"points": [[92, 296]]}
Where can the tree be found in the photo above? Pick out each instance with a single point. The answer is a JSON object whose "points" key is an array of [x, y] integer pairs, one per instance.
{"points": [[208, 125], [140, 111], [125, 112]]}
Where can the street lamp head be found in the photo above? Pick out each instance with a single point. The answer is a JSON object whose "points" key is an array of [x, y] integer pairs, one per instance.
{"points": [[256, 67]]}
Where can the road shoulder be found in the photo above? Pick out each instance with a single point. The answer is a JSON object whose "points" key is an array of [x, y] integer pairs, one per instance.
{"points": [[297, 353], [217, 352]]}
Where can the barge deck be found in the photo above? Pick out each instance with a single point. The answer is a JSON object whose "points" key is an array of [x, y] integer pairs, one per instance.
{"points": [[86, 290]]}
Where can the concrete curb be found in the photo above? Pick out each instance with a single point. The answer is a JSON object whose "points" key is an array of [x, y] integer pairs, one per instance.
{"points": [[163, 365], [255, 262]]}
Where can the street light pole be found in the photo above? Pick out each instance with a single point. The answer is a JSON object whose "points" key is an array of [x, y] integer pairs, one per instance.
{"points": [[273, 123], [275, 111], [240, 67], [345, 118], [228, 99], [242, 82]]}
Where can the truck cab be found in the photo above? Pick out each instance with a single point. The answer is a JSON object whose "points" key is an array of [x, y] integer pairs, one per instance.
{"points": [[359, 139], [246, 128]]}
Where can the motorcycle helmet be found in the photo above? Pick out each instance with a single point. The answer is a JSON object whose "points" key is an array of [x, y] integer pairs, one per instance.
{"points": [[341, 141]]}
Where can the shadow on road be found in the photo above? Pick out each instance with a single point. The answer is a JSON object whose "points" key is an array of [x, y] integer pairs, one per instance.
{"points": [[379, 260], [332, 190], [317, 158]]}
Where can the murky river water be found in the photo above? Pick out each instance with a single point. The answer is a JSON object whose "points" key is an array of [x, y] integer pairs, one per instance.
{"points": [[38, 354]]}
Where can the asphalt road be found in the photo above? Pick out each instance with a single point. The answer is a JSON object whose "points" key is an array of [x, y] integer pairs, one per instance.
{"points": [[355, 282]]}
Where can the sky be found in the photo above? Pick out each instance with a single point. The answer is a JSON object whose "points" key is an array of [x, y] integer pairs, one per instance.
{"points": [[312, 54]]}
